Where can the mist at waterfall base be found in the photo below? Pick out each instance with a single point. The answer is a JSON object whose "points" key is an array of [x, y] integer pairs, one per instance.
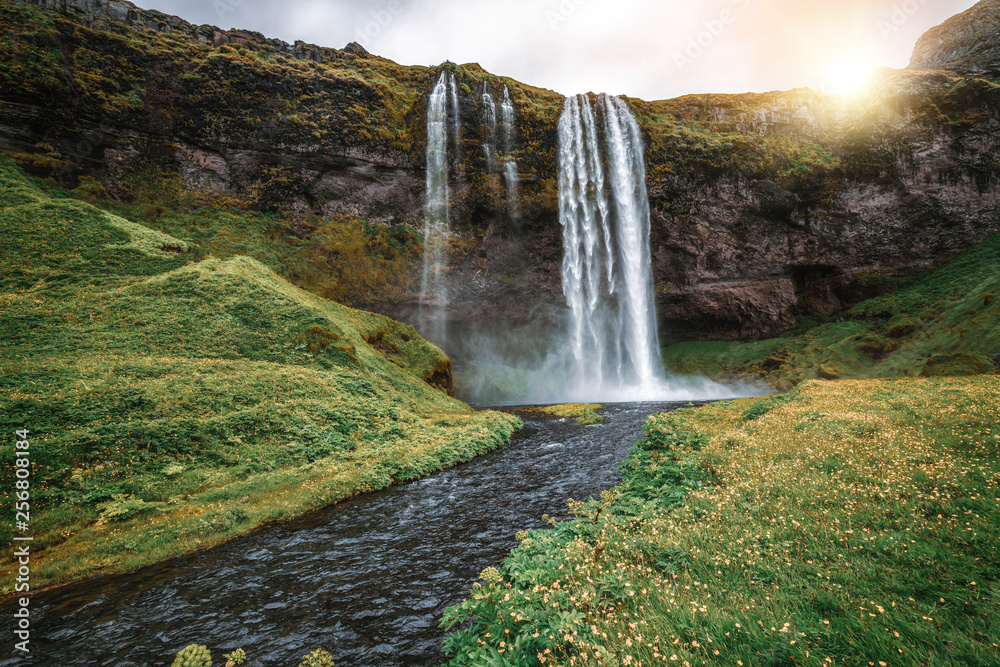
{"points": [[529, 363]]}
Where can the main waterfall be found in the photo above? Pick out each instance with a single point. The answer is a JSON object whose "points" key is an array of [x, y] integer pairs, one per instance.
{"points": [[606, 275]]}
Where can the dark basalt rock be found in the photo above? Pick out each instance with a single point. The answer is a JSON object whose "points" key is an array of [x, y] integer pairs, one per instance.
{"points": [[775, 202]]}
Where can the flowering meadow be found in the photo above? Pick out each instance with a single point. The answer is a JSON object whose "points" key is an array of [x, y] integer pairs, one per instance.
{"points": [[848, 522]]}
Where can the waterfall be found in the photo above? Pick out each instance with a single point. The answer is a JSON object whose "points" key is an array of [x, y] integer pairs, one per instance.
{"points": [[489, 129], [510, 165], [433, 291], [507, 120], [606, 271], [510, 178], [606, 349], [456, 117]]}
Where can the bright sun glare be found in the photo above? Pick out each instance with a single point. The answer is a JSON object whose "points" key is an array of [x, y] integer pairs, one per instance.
{"points": [[847, 75]]}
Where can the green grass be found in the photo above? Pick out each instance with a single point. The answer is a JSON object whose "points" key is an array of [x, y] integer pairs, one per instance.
{"points": [[588, 417], [585, 413], [940, 322], [176, 399], [568, 409], [854, 522], [345, 258]]}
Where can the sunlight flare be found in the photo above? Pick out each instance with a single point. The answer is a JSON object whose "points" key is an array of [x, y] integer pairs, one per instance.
{"points": [[848, 75]]}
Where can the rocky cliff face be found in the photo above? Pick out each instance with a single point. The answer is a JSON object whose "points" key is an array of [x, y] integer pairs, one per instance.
{"points": [[896, 182], [968, 42], [765, 207], [131, 90]]}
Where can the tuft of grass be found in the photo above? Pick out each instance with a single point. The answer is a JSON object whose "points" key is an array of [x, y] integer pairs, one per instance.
{"points": [[584, 413], [175, 399], [589, 417], [568, 409], [840, 525]]}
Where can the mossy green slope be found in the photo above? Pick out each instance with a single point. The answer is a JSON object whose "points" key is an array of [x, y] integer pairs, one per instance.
{"points": [[175, 400], [941, 322]]}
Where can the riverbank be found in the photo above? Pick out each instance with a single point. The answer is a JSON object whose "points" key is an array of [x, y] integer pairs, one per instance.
{"points": [[175, 400], [848, 522]]}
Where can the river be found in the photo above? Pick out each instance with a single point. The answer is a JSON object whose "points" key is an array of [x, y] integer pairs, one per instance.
{"points": [[367, 579]]}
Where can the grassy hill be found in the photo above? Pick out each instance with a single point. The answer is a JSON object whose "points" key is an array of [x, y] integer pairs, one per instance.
{"points": [[175, 399], [940, 322]]}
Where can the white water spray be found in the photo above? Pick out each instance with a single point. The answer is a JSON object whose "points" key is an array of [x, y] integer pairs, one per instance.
{"points": [[489, 129], [510, 178], [608, 350], [456, 117], [507, 121]]}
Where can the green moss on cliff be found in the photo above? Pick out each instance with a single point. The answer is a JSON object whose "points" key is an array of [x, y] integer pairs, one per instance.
{"points": [[343, 258], [699, 136], [364, 263]]}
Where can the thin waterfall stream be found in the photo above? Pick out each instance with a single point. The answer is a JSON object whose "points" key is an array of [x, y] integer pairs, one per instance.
{"points": [[510, 164], [489, 129]]}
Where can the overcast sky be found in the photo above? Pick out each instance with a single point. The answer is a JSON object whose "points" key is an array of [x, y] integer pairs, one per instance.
{"points": [[652, 49]]}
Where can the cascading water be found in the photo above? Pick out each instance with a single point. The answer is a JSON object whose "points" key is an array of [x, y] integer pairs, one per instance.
{"points": [[456, 117], [510, 166], [608, 351], [489, 129], [491, 163], [510, 178], [606, 274], [433, 291], [507, 120]]}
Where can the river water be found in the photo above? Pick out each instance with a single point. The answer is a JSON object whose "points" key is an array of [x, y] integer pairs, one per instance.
{"points": [[367, 579]]}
